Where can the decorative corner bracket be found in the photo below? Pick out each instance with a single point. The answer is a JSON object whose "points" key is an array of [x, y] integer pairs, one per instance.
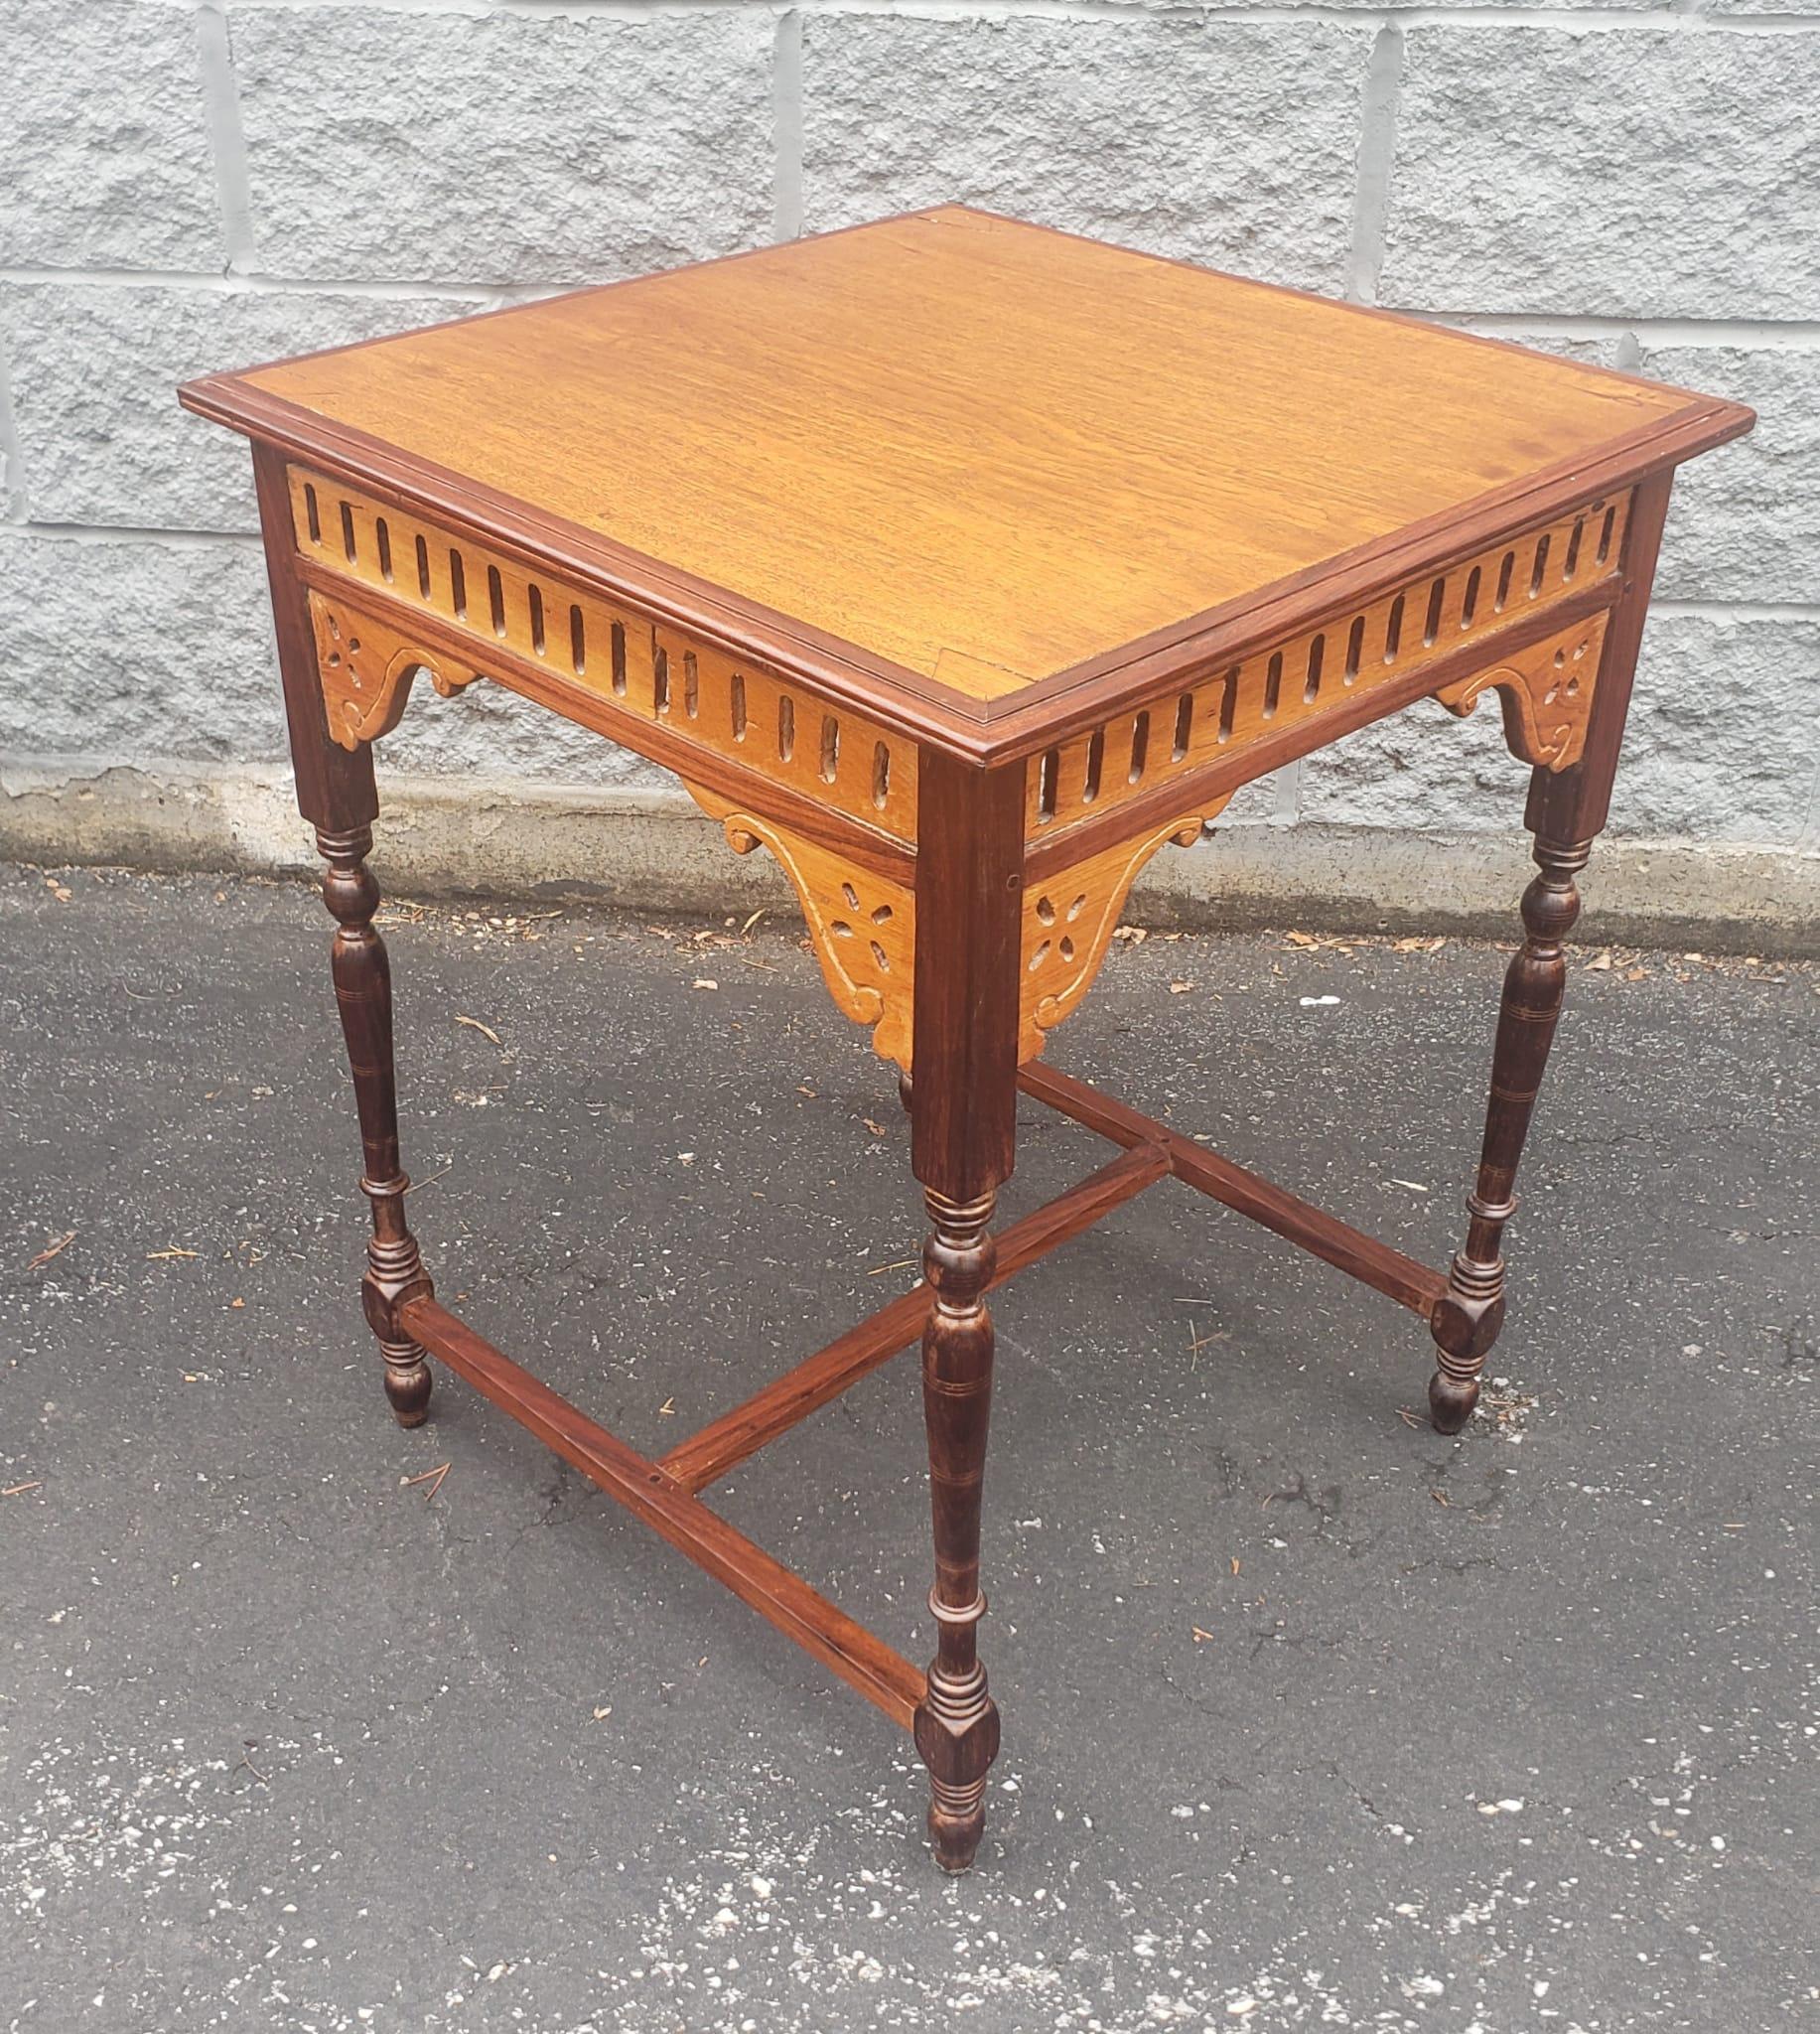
{"points": [[1069, 921], [1546, 692], [366, 670], [862, 926]]}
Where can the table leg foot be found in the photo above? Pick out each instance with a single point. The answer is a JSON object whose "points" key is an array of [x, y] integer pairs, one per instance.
{"points": [[394, 1274], [957, 1739], [1465, 1325], [407, 1383]]}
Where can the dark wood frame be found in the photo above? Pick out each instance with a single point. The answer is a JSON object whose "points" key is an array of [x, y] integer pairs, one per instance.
{"points": [[970, 867]]}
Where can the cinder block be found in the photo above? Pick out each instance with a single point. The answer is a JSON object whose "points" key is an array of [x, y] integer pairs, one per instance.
{"points": [[440, 148], [1227, 144], [1421, 771], [1722, 745], [487, 732], [136, 651], [95, 372], [104, 153], [1724, 740], [1745, 521], [1636, 172], [146, 652]]}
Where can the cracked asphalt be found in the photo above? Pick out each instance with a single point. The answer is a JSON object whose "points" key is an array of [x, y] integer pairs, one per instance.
{"points": [[1312, 1718]]}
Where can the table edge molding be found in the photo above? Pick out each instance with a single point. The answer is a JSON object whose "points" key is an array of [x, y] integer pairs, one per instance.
{"points": [[905, 701]]}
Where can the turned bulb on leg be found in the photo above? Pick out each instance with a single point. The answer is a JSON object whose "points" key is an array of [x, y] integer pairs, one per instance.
{"points": [[407, 1383], [957, 1722], [1466, 1323], [363, 992], [1469, 1315]]}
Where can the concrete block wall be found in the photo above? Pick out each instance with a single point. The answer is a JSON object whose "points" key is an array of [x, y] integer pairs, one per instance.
{"points": [[190, 185]]}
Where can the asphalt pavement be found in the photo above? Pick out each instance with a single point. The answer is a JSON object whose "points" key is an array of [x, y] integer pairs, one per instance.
{"points": [[1312, 1718]]}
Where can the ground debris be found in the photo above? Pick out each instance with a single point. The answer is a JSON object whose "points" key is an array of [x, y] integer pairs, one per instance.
{"points": [[897, 1265], [1505, 1407], [433, 1477]]}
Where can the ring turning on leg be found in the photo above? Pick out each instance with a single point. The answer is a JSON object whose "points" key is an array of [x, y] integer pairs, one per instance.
{"points": [[1469, 1315], [363, 989], [957, 1723]]}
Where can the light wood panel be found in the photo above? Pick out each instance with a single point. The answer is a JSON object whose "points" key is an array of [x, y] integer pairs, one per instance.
{"points": [[981, 450], [740, 711], [1069, 921], [1318, 670], [1547, 691], [862, 926], [366, 670]]}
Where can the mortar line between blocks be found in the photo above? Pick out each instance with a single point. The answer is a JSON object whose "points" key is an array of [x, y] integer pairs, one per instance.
{"points": [[125, 534], [787, 126], [227, 137], [1678, 16], [1278, 13], [13, 508], [1377, 143]]}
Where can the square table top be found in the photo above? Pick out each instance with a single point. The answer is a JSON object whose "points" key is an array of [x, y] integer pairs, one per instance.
{"points": [[979, 462]]}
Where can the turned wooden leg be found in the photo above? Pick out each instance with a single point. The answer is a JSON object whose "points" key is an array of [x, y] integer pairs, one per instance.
{"points": [[363, 989], [336, 793], [1471, 1310], [1567, 809], [957, 1723], [963, 1105]]}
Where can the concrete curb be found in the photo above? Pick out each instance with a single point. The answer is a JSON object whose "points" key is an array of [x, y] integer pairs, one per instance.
{"points": [[651, 850]]}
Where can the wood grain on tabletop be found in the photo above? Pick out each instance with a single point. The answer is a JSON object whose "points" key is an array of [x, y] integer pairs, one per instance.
{"points": [[984, 450]]}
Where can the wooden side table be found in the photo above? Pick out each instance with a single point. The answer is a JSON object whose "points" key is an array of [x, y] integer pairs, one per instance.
{"points": [[961, 565]]}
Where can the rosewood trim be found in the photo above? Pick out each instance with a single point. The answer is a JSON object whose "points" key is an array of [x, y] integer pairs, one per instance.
{"points": [[905, 701], [1573, 805], [1348, 1250], [706, 1456], [1054, 852], [1243, 625], [646, 1489], [579, 703]]}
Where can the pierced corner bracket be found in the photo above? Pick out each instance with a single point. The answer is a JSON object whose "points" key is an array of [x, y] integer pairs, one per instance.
{"points": [[862, 926], [1546, 692], [367, 667], [1069, 921]]}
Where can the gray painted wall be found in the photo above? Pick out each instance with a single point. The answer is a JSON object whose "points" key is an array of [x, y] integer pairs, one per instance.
{"points": [[188, 187]]}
